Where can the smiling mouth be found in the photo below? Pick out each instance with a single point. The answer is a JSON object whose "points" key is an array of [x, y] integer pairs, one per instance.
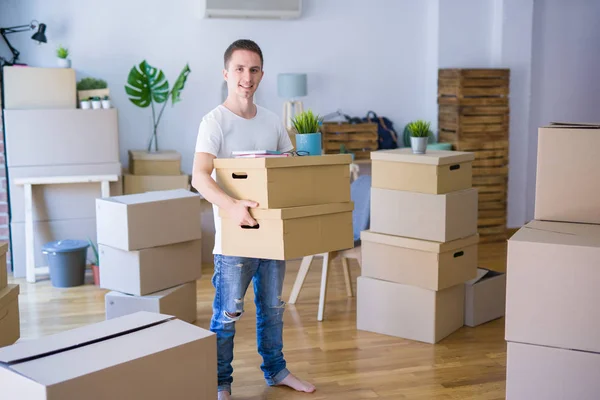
{"points": [[246, 87]]}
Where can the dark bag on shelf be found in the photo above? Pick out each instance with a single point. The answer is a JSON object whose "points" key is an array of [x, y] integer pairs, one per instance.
{"points": [[388, 139]]}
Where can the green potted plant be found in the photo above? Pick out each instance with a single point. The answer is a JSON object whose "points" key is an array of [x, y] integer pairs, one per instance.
{"points": [[105, 102], [95, 263], [85, 103], [90, 87], [419, 136], [62, 54], [148, 85], [96, 102], [308, 135]]}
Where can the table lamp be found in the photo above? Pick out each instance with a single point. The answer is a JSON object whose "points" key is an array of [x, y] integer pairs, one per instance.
{"points": [[290, 86]]}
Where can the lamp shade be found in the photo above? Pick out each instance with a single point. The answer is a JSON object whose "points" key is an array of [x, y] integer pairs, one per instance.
{"points": [[291, 85], [40, 35]]}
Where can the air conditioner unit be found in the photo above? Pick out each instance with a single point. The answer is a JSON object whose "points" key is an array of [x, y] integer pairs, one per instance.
{"points": [[261, 9]]}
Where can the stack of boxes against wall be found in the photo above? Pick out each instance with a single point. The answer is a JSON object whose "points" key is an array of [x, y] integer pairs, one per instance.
{"points": [[473, 115], [10, 329], [47, 135], [553, 273]]}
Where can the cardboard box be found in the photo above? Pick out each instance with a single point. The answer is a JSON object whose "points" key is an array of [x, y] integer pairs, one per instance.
{"points": [[134, 184], [61, 137], [179, 301], [408, 312], [10, 323], [288, 233], [485, 297], [553, 277], [537, 372], [141, 272], [139, 221], [429, 265], [286, 181], [39, 88], [56, 202], [208, 232], [138, 356], [435, 217], [3, 270], [435, 172], [166, 162]]}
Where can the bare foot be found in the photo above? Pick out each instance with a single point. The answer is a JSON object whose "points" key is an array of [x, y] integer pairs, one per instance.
{"points": [[297, 384], [224, 395]]}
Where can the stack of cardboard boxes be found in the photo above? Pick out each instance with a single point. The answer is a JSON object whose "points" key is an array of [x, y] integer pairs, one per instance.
{"points": [[553, 273], [421, 247], [10, 328], [150, 252], [149, 171]]}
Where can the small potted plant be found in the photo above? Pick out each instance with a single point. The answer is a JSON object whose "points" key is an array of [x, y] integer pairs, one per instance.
{"points": [[96, 102], [308, 135], [85, 104], [62, 54], [95, 263], [419, 136], [105, 102]]}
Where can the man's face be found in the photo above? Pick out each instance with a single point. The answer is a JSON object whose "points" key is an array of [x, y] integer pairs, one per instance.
{"points": [[244, 73]]}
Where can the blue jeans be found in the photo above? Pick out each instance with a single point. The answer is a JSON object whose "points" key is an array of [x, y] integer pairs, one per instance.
{"points": [[231, 280]]}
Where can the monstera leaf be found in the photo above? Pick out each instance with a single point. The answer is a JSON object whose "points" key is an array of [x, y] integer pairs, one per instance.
{"points": [[179, 84], [147, 83]]}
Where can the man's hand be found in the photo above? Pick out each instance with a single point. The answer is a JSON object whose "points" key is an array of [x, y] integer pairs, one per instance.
{"points": [[239, 212]]}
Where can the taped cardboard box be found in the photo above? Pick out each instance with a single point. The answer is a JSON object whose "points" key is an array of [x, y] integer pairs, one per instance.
{"points": [[165, 162], [3, 269], [179, 301], [435, 172], [552, 281], [133, 184], [485, 297], [137, 356], [286, 181], [39, 88], [434, 217], [10, 323], [422, 263], [145, 271], [568, 173], [408, 312], [139, 221], [288, 233]]}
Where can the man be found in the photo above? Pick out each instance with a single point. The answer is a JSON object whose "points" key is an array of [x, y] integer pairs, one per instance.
{"points": [[239, 125]]}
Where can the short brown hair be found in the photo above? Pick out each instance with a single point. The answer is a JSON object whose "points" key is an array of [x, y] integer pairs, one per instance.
{"points": [[242, 44]]}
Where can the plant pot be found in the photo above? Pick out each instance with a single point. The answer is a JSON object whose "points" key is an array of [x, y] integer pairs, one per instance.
{"points": [[105, 103], [419, 144], [96, 273], [63, 62], [85, 105], [309, 143], [96, 104]]}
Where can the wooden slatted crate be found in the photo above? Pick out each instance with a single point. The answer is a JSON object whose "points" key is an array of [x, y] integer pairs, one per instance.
{"points": [[359, 139], [457, 123], [473, 86]]}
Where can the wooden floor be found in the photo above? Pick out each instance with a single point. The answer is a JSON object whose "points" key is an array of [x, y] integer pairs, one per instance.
{"points": [[342, 362]]}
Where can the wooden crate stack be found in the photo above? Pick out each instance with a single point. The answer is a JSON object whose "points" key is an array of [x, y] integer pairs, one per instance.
{"points": [[359, 139], [474, 116]]}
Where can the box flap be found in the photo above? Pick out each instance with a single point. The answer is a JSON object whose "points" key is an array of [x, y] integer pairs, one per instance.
{"points": [[154, 196], [432, 157], [282, 162], [559, 233], [63, 341], [162, 155], [418, 244], [573, 125], [297, 212], [8, 294]]}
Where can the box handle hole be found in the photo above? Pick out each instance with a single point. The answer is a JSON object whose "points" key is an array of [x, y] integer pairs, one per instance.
{"points": [[239, 175], [251, 227], [459, 254], [454, 167]]}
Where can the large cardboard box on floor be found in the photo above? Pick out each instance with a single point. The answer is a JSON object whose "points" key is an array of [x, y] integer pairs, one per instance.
{"points": [[166, 162], [133, 184], [39, 88], [145, 271], [436, 172], [552, 281], [61, 137], [485, 297], [548, 373], [422, 263], [179, 301], [288, 233], [139, 221], [137, 356], [10, 323], [434, 217], [568, 173], [3, 270], [286, 181], [408, 312]]}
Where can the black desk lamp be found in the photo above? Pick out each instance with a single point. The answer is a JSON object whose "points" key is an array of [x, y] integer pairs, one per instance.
{"points": [[39, 36]]}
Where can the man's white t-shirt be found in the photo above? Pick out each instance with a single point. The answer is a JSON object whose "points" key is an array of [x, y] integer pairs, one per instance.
{"points": [[222, 132]]}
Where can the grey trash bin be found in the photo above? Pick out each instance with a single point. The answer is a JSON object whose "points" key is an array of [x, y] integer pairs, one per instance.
{"points": [[66, 259]]}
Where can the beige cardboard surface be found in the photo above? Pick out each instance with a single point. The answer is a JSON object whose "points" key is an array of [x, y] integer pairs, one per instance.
{"points": [[553, 276], [284, 234], [286, 182], [408, 312], [61, 137], [56, 202], [3, 270], [485, 297], [568, 174], [208, 232], [537, 372], [435, 172], [39, 88], [148, 356], [435, 217], [166, 162], [133, 184], [179, 302], [429, 265], [141, 272], [10, 328], [158, 218]]}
